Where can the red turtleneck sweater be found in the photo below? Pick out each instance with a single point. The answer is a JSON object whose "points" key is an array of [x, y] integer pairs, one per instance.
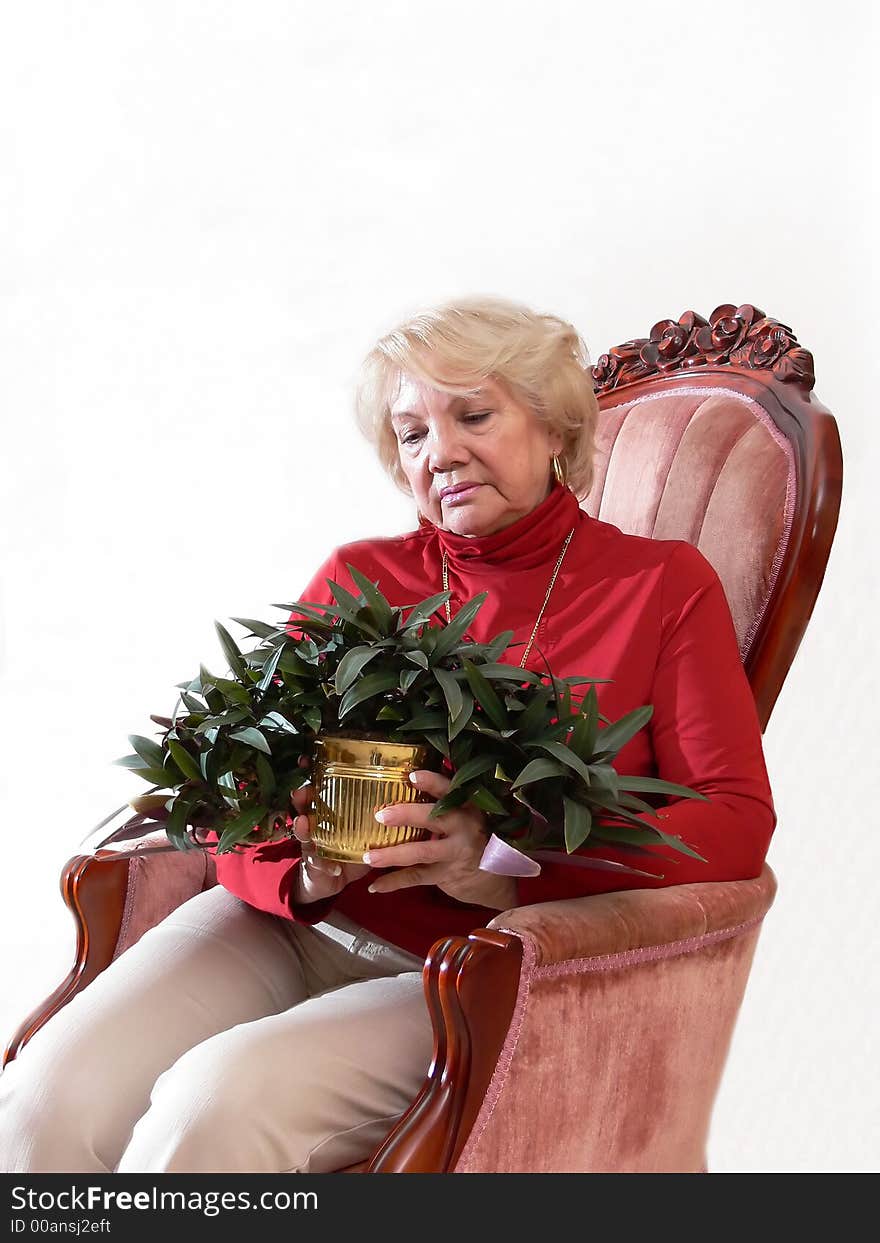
{"points": [[649, 614]]}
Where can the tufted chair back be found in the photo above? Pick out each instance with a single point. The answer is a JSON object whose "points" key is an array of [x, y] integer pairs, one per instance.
{"points": [[708, 432]]}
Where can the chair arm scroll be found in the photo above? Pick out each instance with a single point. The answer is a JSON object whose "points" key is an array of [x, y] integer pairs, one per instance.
{"points": [[115, 895]]}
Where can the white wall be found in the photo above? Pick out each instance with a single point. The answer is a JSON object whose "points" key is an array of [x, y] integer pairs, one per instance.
{"points": [[210, 211]]}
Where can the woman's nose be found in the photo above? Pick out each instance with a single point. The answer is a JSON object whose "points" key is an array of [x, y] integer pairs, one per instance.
{"points": [[446, 449]]}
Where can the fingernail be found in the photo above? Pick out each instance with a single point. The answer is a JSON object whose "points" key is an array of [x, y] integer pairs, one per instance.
{"points": [[336, 870], [366, 856], [371, 888], [414, 778], [380, 815]]}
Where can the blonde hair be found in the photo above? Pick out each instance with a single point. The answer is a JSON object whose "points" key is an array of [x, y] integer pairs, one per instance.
{"points": [[454, 347]]}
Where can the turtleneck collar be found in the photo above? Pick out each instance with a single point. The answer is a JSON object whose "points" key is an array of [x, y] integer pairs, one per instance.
{"points": [[531, 541]]}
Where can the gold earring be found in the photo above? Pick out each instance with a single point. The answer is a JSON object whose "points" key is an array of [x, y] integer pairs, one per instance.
{"points": [[558, 469]]}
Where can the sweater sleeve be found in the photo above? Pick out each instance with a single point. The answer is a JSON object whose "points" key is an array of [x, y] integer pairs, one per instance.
{"points": [[265, 876], [706, 735]]}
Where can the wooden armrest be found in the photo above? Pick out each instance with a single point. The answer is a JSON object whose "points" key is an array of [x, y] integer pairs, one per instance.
{"points": [[115, 894]]}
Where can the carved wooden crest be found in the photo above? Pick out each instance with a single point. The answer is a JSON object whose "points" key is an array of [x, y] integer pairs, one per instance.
{"points": [[736, 336]]}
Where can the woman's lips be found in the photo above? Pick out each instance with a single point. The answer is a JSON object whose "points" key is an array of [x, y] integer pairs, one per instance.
{"points": [[461, 495]]}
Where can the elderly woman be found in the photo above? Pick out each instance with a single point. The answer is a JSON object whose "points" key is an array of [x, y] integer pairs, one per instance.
{"points": [[277, 1022]]}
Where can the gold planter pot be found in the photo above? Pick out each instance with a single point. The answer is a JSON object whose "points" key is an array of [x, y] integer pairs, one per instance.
{"points": [[353, 777]]}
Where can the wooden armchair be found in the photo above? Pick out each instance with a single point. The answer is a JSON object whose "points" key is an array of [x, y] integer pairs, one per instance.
{"points": [[709, 432]]}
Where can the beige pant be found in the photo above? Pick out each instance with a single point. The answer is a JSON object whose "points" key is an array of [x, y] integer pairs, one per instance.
{"points": [[225, 1040]]}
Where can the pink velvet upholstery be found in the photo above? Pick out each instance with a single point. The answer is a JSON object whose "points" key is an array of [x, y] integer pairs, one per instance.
{"points": [[621, 1028], [157, 885], [709, 466]]}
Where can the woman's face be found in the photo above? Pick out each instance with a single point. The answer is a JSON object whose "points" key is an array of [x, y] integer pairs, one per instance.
{"points": [[497, 447]]}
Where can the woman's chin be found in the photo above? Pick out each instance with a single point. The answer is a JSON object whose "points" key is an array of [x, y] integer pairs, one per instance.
{"points": [[469, 524]]}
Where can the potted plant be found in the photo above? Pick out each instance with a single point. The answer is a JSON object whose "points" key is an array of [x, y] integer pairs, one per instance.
{"points": [[366, 692]]}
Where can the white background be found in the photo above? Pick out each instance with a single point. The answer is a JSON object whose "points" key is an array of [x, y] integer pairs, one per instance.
{"points": [[209, 212]]}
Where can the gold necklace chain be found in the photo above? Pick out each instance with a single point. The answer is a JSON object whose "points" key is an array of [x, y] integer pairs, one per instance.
{"points": [[522, 663]]}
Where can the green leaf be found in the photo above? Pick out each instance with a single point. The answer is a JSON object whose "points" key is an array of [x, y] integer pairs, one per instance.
{"points": [[148, 750], [604, 775], [648, 836], [614, 809], [175, 825], [507, 673], [473, 768], [583, 738], [450, 635], [578, 822], [194, 705], [485, 696], [130, 761], [389, 713], [615, 736], [228, 789], [230, 650], [266, 778], [253, 738], [269, 670], [276, 720], [240, 827], [350, 609], [233, 691], [157, 776], [261, 629], [497, 646], [184, 761], [536, 714], [450, 800], [631, 803], [464, 717], [351, 665], [566, 756], [230, 717], [425, 610], [291, 663], [368, 686], [438, 741], [407, 678], [418, 658], [538, 770], [315, 611], [451, 693], [344, 598], [486, 801], [376, 601], [654, 785], [553, 733]]}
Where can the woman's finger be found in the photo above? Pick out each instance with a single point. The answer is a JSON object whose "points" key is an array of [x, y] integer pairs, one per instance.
{"points": [[430, 782], [302, 828], [302, 798], [316, 863]]}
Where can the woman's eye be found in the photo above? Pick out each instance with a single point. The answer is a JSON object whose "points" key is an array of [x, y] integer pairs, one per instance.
{"points": [[411, 438], [477, 417]]}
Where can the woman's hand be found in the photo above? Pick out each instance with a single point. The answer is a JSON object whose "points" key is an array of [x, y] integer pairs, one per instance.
{"points": [[450, 859], [317, 878]]}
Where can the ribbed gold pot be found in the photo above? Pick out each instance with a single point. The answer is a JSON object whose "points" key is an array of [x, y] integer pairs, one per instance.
{"points": [[353, 776]]}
